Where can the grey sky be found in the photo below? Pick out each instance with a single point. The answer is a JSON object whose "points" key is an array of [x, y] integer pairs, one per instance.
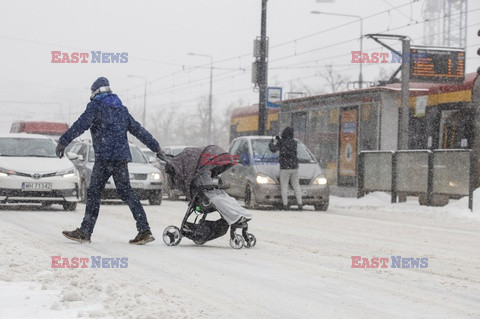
{"points": [[158, 35]]}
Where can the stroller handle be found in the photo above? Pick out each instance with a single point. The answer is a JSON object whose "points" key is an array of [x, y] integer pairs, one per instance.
{"points": [[166, 158]]}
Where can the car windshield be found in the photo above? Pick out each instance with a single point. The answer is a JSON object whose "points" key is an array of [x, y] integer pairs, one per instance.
{"points": [[137, 155], [27, 147], [149, 153], [260, 149]]}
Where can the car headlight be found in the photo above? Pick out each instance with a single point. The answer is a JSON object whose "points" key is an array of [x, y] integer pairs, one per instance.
{"points": [[264, 179], [5, 172], [67, 173], [155, 176], [319, 180]]}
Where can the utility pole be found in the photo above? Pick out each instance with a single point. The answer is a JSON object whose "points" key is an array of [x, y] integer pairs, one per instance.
{"points": [[404, 118], [262, 73]]}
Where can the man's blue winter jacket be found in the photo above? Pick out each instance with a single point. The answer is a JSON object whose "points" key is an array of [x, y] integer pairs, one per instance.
{"points": [[109, 121]]}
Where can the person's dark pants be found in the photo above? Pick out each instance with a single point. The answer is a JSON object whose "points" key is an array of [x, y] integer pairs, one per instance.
{"points": [[102, 170]]}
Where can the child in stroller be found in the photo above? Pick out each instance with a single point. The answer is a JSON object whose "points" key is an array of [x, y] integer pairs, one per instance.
{"points": [[192, 173]]}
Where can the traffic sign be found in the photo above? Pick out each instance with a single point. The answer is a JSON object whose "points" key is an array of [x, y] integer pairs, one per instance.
{"points": [[274, 95]]}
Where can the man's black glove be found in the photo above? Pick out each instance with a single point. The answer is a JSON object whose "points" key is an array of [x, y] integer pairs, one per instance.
{"points": [[161, 155], [277, 137], [60, 150]]}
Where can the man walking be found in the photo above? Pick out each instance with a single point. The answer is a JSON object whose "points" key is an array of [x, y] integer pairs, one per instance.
{"points": [[288, 159], [109, 121]]}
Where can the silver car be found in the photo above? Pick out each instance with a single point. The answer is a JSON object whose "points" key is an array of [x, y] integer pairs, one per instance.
{"points": [[256, 175], [145, 179]]}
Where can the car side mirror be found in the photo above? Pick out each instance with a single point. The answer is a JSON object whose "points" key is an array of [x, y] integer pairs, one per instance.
{"points": [[72, 156]]}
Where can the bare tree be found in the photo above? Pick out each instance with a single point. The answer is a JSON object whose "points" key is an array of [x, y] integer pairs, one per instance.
{"points": [[174, 128], [163, 124], [335, 81]]}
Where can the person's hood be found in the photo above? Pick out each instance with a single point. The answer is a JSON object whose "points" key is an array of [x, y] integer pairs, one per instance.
{"points": [[287, 132], [109, 99]]}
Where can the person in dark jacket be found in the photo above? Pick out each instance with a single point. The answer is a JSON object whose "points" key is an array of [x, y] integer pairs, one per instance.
{"points": [[288, 159], [109, 121]]}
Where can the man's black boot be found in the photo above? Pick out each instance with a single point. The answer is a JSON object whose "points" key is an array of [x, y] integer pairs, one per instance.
{"points": [[77, 235], [142, 238]]}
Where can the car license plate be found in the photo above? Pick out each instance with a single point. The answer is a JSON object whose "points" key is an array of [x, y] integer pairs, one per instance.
{"points": [[136, 185], [36, 186], [291, 192]]}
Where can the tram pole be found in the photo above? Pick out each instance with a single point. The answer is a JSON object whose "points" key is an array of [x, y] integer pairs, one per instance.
{"points": [[404, 113], [262, 83]]}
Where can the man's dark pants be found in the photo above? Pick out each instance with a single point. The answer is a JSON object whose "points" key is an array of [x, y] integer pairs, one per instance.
{"points": [[102, 170]]}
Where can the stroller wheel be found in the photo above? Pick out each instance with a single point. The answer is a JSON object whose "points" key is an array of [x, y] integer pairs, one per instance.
{"points": [[198, 242], [252, 241], [172, 236], [237, 242]]}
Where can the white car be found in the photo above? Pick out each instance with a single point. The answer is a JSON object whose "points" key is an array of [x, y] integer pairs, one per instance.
{"points": [[30, 172]]}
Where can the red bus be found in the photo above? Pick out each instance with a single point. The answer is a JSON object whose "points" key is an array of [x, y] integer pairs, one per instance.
{"points": [[54, 129]]}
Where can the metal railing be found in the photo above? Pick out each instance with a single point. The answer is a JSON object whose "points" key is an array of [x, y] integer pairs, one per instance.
{"points": [[417, 172]]}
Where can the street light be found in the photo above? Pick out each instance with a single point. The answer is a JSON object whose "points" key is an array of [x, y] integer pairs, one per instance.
{"points": [[144, 97], [209, 132], [360, 76]]}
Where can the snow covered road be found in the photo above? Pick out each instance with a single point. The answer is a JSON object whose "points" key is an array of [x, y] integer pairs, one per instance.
{"points": [[300, 268]]}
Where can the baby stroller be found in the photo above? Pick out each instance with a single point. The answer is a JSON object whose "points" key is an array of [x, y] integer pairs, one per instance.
{"points": [[193, 172]]}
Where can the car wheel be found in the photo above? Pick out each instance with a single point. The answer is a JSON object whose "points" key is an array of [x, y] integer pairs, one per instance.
{"points": [[322, 206], [83, 191], [155, 198], [69, 206], [250, 200]]}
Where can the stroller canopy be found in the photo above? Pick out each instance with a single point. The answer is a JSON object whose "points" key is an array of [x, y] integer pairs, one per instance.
{"points": [[192, 162]]}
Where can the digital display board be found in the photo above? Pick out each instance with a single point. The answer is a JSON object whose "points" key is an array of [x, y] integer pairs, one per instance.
{"points": [[437, 65]]}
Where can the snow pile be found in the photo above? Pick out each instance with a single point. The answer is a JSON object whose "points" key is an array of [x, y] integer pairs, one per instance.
{"points": [[381, 202], [31, 288]]}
